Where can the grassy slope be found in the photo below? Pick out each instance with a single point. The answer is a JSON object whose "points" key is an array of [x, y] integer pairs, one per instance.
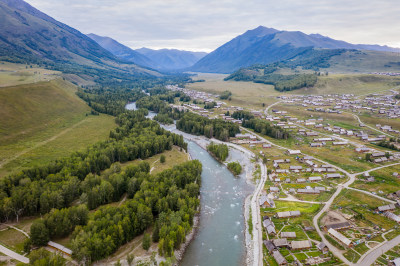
{"points": [[16, 74], [365, 61], [357, 84], [31, 114]]}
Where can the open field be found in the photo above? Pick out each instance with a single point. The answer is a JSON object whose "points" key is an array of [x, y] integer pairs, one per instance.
{"points": [[351, 83], [172, 157], [44, 121], [384, 181], [89, 131], [246, 94], [362, 206], [12, 239], [16, 74]]}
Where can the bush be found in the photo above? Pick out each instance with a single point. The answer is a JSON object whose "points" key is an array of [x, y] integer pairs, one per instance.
{"points": [[162, 158], [146, 241], [235, 168], [39, 233], [220, 151]]}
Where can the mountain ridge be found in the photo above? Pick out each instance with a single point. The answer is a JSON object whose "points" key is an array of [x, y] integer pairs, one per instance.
{"points": [[30, 36], [264, 45]]}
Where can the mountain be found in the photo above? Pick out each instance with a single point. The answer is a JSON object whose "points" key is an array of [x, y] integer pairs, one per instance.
{"points": [[121, 51], [266, 45], [171, 59], [29, 36], [164, 59]]}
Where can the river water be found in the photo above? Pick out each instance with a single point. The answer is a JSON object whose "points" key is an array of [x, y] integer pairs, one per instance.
{"points": [[220, 238]]}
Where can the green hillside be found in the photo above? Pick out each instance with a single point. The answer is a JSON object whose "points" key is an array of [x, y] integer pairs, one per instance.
{"points": [[39, 116]]}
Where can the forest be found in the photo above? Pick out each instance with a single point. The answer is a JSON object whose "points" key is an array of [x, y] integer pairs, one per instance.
{"points": [[265, 128], [198, 125], [219, 151], [288, 82], [168, 200], [56, 185]]}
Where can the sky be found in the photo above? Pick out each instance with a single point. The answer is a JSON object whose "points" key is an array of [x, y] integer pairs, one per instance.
{"points": [[204, 25]]}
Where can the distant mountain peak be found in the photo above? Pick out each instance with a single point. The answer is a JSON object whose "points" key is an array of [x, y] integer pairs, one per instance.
{"points": [[264, 45]]}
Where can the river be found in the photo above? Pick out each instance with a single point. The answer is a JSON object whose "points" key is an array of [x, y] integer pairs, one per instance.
{"points": [[220, 237]]}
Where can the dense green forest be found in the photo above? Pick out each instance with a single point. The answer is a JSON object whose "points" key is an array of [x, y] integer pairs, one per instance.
{"points": [[235, 168], [56, 185], [198, 125], [265, 128], [240, 115], [219, 151], [288, 82], [169, 200]]}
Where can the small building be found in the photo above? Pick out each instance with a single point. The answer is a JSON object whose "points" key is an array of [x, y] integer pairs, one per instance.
{"points": [[274, 189], [323, 247], [392, 216], [279, 258], [288, 214], [293, 152], [270, 246], [295, 167], [307, 191], [60, 248], [314, 178], [300, 180], [334, 175], [337, 226], [281, 242], [339, 237], [288, 234], [303, 244], [378, 154], [388, 207]]}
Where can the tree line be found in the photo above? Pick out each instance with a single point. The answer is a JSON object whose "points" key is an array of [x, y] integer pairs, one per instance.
{"points": [[198, 125], [265, 128]]}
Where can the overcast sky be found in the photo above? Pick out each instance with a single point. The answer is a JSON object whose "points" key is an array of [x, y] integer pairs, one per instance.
{"points": [[204, 25]]}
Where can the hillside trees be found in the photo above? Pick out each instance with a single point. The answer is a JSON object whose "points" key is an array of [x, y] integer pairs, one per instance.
{"points": [[196, 124]]}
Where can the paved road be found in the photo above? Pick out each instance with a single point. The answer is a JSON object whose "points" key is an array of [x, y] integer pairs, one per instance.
{"points": [[267, 109], [377, 130], [256, 218], [374, 254], [13, 254]]}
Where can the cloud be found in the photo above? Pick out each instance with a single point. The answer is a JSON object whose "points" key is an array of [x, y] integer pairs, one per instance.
{"points": [[207, 24]]}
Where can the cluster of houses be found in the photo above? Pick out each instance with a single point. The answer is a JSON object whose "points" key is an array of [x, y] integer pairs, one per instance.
{"points": [[249, 139], [309, 166], [287, 240], [385, 105]]}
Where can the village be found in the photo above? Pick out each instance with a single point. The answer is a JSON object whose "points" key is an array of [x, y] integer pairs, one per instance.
{"points": [[304, 175]]}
